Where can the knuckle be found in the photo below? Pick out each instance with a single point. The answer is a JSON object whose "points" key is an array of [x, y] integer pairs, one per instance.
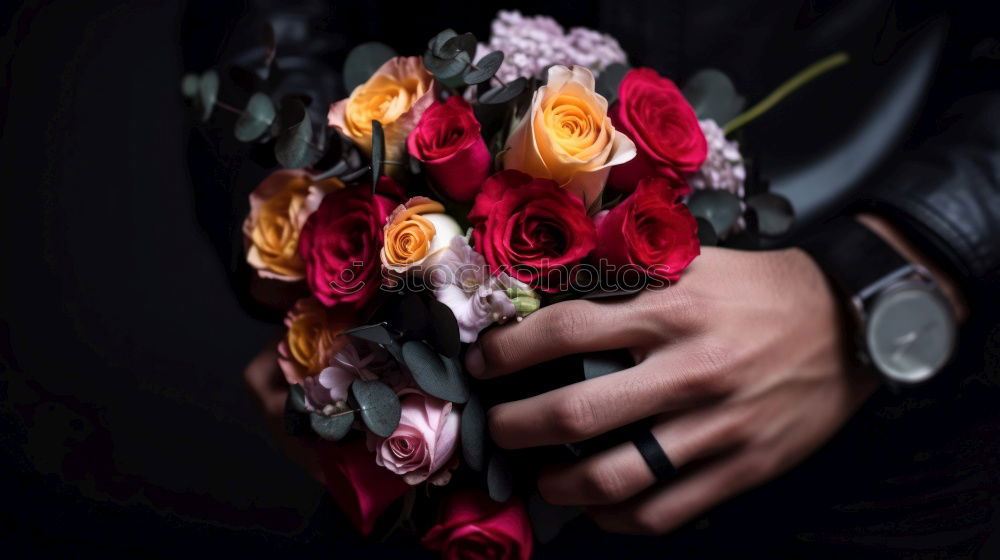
{"points": [[494, 346], [604, 485], [567, 325], [712, 368], [574, 417]]}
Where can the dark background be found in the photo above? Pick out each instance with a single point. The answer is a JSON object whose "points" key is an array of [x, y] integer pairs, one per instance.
{"points": [[125, 324]]}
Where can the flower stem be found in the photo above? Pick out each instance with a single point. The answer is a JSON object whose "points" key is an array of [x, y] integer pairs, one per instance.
{"points": [[228, 107], [811, 72]]}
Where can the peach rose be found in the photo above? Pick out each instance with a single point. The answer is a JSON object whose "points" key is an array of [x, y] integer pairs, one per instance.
{"points": [[415, 232], [279, 207], [313, 338], [396, 96], [567, 135]]}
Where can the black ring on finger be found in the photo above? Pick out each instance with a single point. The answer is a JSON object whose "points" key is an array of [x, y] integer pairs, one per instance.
{"points": [[654, 456]]}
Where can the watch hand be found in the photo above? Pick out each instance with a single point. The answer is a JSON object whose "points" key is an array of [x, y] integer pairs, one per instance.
{"points": [[903, 342]]}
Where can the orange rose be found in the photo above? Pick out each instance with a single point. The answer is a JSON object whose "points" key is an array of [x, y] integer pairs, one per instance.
{"points": [[416, 231], [313, 338], [279, 207], [396, 95], [567, 136]]}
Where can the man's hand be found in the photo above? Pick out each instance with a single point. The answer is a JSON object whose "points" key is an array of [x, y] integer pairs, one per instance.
{"points": [[265, 381], [742, 364]]}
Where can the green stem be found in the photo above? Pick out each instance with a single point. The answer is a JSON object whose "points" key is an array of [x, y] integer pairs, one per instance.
{"points": [[795, 82]]}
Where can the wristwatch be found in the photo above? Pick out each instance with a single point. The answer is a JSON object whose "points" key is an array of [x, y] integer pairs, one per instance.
{"points": [[906, 330]]}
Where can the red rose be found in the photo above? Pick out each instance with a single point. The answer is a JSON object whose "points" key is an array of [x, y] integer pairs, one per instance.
{"points": [[531, 229], [361, 489], [340, 245], [448, 140], [654, 114], [475, 526], [650, 229]]}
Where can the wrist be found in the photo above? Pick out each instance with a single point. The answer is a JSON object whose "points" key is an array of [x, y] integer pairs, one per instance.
{"points": [[948, 287]]}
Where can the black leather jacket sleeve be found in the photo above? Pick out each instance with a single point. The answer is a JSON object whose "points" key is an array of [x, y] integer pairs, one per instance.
{"points": [[945, 196]]}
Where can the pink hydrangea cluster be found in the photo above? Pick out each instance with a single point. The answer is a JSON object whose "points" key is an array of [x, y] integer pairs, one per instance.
{"points": [[533, 43], [723, 169]]}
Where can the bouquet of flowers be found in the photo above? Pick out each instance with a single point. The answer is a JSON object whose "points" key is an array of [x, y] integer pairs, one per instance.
{"points": [[453, 191]]}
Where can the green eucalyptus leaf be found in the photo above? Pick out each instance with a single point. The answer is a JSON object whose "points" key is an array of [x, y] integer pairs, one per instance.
{"points": [[332, 428], [499, 478], [548, 520], [609, 79], [437, 375], [292, 149], [720, 208], [596, 364], [378, 333], [411, 318], [297, 398], [444, 334], [473, 434], [505, 93], [189, 85], [379, 404], [378, 153], [706, 233], [713, 96], [448, 70], [457, 45], [485, 68], [436, 44], [363, 61], [775, 214], [256, 118], [208, 92]]}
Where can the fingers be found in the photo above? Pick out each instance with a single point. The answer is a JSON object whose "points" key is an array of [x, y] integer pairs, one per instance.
{"points": [[675, 379], [664, 509], [620, 473], [570, 327], [267, 383]]}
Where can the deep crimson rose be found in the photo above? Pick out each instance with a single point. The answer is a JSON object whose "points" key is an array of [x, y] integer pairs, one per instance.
{"points": [[340, 245], [448, 141], [654, 114], [474, 526], [361, 489], [531, 229], [650, 229]]}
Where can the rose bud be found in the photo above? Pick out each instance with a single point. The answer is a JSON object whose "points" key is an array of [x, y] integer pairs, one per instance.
{"points": [[449, 143], [650, 230], [279, 207], [425, 440], [567, 136], [475, 526], [311, 340], [654, 114], [415, 233], [396, 95], [531, 229], [340, 246]]}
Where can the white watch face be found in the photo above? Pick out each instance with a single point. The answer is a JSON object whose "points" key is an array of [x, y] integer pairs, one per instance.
{"points": [[910, 333]]}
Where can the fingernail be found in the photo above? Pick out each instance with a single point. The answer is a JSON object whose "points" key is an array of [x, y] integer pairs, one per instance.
{"points": [[474, 361]]}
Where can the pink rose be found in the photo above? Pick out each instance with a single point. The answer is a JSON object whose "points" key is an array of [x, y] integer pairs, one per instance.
{"points": [[448, 141], [474, 526], [423, 442], [362, 492]]}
